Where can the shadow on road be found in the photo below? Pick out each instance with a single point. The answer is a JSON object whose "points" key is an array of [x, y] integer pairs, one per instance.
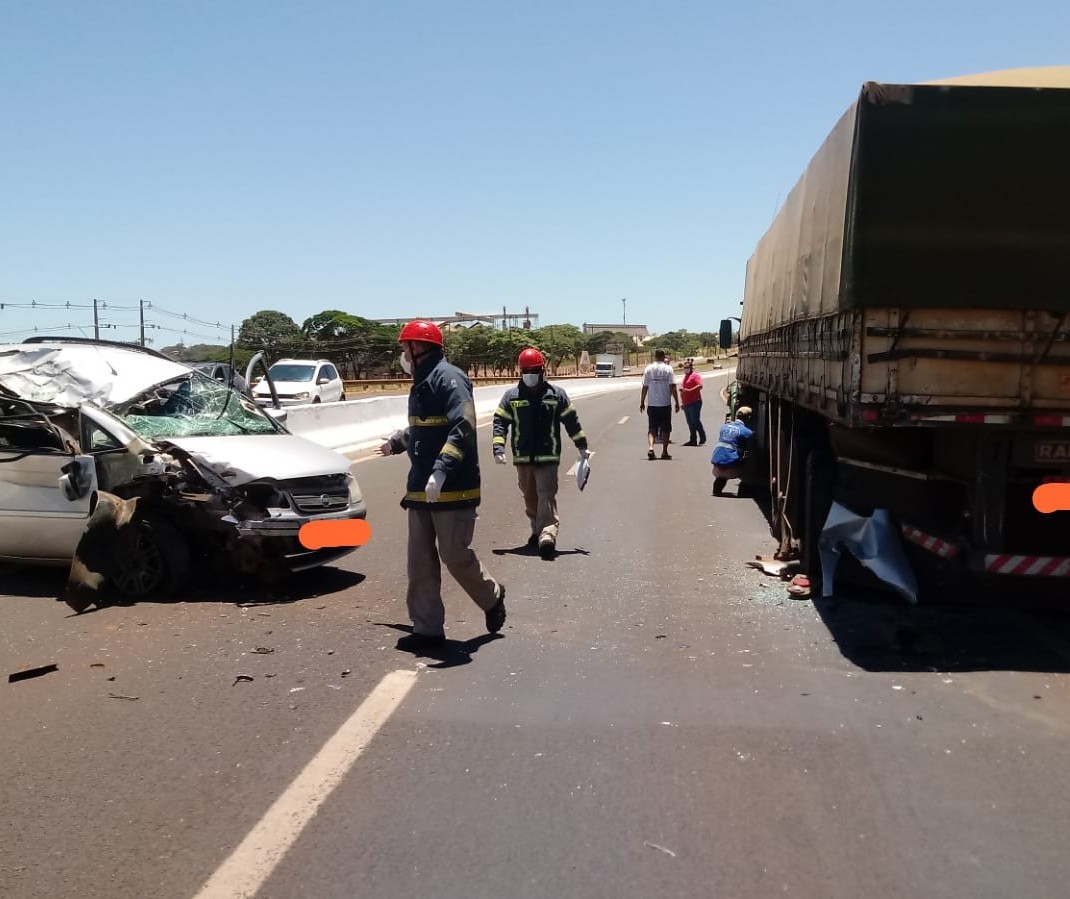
{"points": [[32, 581], [880, 632], [27, 580], [302, 585], [526, 550], [449, 653]]}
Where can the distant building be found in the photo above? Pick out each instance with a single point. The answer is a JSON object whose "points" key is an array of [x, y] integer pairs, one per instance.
{"points": [[638, 333]]}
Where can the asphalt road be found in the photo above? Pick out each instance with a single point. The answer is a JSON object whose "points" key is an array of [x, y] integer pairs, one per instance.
{"points": [[655, 719]]}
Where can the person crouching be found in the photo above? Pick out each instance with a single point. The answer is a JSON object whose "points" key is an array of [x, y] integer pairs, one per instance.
{"points": [[731, 447]]}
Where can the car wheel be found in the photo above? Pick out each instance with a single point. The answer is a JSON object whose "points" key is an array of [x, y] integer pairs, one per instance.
{"points": [[315, 400], [156, 562]]}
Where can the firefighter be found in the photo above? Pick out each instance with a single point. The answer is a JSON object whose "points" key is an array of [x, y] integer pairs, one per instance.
{"points": [[443, 488], [535, 410]]}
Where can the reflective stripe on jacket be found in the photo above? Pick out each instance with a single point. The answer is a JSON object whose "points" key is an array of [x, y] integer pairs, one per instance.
{"points": [[535, 417], [441, 436]]}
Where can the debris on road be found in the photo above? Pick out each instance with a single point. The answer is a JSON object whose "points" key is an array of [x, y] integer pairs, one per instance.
{"points": [[664, 849], [772, 568], [28, 673], [263, 651], [346, 672], [874, 541], [121, 696], [243, 679]]}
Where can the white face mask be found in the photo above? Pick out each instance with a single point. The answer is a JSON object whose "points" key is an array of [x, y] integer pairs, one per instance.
{"points": [[406, 365], [531, 379]]}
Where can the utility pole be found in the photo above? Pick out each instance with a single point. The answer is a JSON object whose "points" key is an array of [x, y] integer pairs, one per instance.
{"points": [[232, 351], [141, 315], [624, 303], [96, 321]]}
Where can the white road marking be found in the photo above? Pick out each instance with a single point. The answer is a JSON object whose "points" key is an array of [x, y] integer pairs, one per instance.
{"points": [[252, 862], [626, 417]]}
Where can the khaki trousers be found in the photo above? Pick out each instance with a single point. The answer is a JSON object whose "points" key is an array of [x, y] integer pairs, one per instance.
{"points": [[538, 483], [453, 529]]}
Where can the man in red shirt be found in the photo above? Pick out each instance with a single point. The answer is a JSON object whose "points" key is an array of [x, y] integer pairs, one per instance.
{"points": [[691, 400]]}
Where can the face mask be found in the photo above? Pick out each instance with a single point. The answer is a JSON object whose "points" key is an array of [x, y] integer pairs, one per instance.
{"points": [[531, 380], [406, 366]]}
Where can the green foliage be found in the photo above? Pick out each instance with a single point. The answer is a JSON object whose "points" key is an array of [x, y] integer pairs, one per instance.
{"points": [[274, 332]]}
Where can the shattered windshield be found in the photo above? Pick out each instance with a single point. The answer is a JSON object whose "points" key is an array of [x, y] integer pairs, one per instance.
{"points": [[194, 406], [284, 372]]}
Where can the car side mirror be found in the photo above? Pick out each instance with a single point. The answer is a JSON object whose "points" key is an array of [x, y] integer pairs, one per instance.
{"points": [[323, 381]]}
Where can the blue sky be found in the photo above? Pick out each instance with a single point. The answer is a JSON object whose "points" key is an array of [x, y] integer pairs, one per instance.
{"points": [[419, 158]]}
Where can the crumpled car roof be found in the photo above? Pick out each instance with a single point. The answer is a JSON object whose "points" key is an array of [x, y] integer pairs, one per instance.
{"points": [[69, 374]]}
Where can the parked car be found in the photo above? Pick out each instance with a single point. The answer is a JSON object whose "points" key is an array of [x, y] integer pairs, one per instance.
{"points": [[300, 381], [215, 476], [222, 371]]}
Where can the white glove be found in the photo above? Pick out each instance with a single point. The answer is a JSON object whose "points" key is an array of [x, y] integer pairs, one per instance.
{"points": [[499, 457], [434, 486], [585, 454]]}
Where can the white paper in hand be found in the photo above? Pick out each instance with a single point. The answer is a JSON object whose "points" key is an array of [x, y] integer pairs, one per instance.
{"points": [[583, 471]]}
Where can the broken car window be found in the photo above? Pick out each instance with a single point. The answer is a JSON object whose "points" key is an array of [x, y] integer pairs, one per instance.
{"points": [[194, 406]]}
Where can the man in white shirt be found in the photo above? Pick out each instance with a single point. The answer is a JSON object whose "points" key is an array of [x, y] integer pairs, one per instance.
{"points": [[659, 382]]}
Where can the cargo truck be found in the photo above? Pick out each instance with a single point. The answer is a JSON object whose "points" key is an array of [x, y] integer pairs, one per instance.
{"points": [[608, 365], [904, 337]]}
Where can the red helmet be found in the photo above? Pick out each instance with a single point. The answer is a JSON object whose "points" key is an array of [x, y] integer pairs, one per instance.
{"points": [[428, 332], [530, 358]]}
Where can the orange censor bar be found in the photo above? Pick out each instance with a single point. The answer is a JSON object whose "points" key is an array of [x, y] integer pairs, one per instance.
{"points": [[321, 534], [1052, 497]]}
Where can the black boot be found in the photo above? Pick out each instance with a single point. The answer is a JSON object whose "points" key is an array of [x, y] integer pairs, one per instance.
{"points": [[718, 486]]}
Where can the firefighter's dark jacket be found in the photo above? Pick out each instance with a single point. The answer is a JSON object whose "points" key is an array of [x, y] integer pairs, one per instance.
{"points": [[441, 436], [536, 415]]}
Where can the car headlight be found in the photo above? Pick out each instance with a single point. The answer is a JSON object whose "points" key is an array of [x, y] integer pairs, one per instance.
{"points": [[354, 488], [302, 396]]}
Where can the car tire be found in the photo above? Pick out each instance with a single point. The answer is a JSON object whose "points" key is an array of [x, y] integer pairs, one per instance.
{"points": [[158, 562], [315, 400]]}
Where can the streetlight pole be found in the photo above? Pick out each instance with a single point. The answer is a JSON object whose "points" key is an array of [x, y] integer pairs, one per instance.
{"points": [[624, 303]]}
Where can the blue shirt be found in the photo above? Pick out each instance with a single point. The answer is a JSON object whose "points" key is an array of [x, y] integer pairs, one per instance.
{"points": [[729, 442]]}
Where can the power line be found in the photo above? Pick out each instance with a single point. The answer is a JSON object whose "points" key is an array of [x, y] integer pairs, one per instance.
{"points": [[33, 304], [186, 317]]}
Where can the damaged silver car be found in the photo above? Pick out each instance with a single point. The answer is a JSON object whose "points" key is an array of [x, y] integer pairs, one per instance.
{"points": [[133, 468]]}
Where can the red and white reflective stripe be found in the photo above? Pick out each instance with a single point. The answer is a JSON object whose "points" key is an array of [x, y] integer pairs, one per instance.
{"points": [[1031, 566], [927, 541], [1052, 421], [966, 419]]}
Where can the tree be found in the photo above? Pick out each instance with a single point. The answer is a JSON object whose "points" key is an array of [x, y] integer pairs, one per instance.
{"points": [[678, 343], [558, 343], [274, 332], [358, 346]]}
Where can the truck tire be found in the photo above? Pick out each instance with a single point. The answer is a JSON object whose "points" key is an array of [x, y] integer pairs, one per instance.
{"points": [[157, 564], [819, 481]]}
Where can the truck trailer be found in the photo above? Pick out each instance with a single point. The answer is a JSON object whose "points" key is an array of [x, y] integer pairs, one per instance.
{"points": [[904, 337]]}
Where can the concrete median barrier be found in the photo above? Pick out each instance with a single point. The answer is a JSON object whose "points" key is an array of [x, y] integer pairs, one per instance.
{"points": [[354, 426]]}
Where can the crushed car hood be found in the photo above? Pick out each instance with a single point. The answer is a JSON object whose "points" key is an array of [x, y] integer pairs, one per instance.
{"points": [[280, 457], [69, 374]]}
